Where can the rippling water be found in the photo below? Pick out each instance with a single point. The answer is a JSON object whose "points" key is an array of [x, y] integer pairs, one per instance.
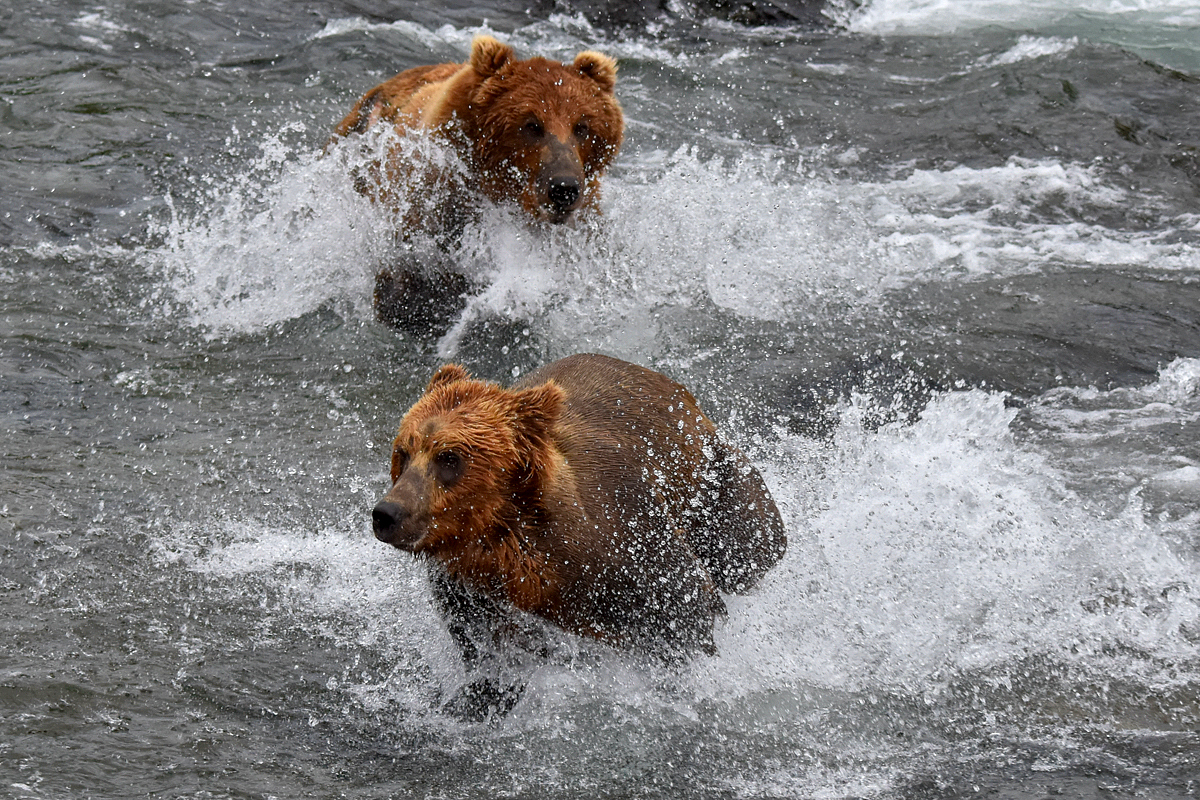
{"points": [[936, 266]]}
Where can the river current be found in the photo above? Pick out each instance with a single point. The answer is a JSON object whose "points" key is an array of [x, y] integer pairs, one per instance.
{"points": [[934, 266]]}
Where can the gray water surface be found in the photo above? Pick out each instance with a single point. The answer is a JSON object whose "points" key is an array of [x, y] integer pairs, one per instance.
{"points": [[938, 275]]}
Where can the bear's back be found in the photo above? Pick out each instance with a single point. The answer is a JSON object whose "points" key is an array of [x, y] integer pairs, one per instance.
{"points": [[640, 447], [634, 471], [609, 401], [625, 430]]}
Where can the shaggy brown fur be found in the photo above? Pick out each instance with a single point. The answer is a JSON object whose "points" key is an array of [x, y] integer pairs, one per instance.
{"points": [[535, 132], [594, 494]]}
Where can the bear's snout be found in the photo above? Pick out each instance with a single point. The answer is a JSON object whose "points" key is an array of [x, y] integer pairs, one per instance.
{"points": [[564, 194], [560, 181], [387, 519]]}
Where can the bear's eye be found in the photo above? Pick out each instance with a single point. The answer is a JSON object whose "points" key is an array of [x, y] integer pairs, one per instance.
{"points": [[399, 462], [534, 128], [582, 130], [448, 466]]}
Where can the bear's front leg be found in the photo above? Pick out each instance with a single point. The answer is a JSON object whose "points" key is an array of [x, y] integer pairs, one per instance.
{"points": [[476, 625], [418, 301]]}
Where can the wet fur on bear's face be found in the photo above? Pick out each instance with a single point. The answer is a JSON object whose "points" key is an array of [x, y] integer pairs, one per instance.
{"points": [[538, 133], [544, 131], [469, 455]]}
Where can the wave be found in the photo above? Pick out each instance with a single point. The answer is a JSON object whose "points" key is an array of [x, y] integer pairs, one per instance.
{"points": [[944, 16], [762, 236], [923, 558], [558, 36], [1031, 47], [1111, 443], [1163, 31]]}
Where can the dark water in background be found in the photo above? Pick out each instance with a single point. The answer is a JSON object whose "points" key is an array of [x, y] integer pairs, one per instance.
{"points": [[936, 267]]}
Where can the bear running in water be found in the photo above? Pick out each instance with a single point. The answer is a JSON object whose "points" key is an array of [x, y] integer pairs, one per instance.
{"points": [[594, 494], [536, 133]]}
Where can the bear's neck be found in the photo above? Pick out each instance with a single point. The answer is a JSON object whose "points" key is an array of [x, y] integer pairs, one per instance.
{"points": [[506, 565], [516, 558]]}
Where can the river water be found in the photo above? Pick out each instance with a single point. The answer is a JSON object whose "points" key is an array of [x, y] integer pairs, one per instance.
{"points": [[935, 266]]}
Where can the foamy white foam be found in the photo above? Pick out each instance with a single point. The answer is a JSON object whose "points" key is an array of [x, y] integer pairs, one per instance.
{"points": [[340, 583], [1028, 48], [945, 16], [761, 238], [558, 36], [920, 551], [1178, 382], [954, 217]]}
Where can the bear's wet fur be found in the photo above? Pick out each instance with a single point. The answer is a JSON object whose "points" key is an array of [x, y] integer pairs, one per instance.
{"points": [[593, 494]]}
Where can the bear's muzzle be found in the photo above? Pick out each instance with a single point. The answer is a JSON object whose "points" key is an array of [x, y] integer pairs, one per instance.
{"points": [[561, 181], [563, 195], [391, 523]]}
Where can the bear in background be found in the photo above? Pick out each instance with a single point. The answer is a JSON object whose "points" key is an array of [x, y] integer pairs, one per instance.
{"points": [[536, 133], [593, 494]]}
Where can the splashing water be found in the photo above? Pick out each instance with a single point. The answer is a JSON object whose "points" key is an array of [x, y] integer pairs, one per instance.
{"points": [[755, 237], [278, 241]]}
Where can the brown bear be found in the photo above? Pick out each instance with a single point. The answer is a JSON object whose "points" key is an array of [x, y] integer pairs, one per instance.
{"points": [[593, 494], [537, 133]]}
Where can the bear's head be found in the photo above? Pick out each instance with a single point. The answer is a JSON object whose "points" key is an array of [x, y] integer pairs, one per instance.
{"points": [[543, 132], [470, 458]]}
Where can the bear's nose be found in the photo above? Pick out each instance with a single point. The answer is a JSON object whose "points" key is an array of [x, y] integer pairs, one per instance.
{"points": [[385, 519], [563, 192]]}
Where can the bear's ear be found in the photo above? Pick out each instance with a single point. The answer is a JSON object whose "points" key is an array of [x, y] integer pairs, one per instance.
{"points": [[537, 410], [446, 374], [598, 67], [488, 55]]}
